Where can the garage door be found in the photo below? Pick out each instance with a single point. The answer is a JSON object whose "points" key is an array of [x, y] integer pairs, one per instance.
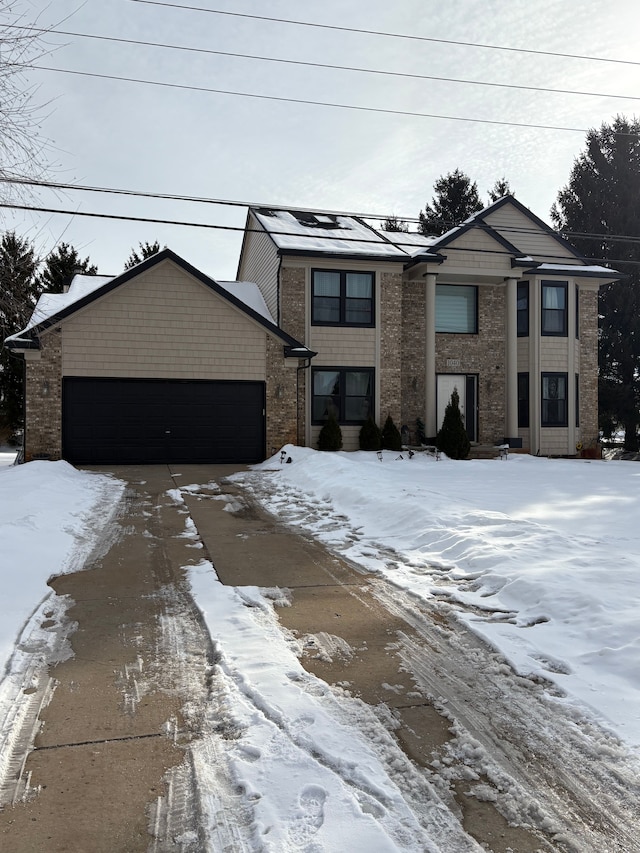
{"points": [[121, 421]]}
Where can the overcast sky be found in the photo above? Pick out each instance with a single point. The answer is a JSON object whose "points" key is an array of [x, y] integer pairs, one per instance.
{"points": [[136, 136]]}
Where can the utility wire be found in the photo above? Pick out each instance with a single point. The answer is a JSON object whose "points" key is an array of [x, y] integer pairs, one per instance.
{"points": [[351, 68], [55, 185], [387, 34], [376, 242], [308, 102]]}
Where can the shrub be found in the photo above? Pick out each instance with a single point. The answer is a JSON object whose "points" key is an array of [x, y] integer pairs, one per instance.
{"points": [[330, 437], [452, 438], [370, 435], [420, 435], [391, 439]]}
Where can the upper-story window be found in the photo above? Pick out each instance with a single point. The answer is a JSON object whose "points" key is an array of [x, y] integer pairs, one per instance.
{"points": [[554, 308], [457, 308], [523, 309], [341, 298]]}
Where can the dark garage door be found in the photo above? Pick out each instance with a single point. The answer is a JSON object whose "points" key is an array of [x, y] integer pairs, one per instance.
{"points": [[121, 421]]}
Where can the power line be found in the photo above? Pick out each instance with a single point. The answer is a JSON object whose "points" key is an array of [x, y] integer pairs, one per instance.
{"points": [[319, 236], [55, 185], [329, 66], [309, 102], [387, 34]]}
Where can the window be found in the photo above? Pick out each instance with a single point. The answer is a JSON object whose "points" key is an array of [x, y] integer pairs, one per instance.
{"points": [[523, 399], [577, 399], [341, 298], [457, 308], [554, 399], [523, 309], [345, 392], [577, 312], [554, 309]]}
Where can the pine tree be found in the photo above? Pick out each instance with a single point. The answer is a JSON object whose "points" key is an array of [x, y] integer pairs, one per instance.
{"points": [[452, 438], [601, 199], [18, 294], [330, 437], [391, 439], [500, 189], [370, 436], [61, 265], [147, 250], [392, 223], [456, 199]]}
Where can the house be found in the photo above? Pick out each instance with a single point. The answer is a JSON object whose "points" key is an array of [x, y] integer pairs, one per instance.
{"points": [[329, 314], [501, 308], [159, 364]]}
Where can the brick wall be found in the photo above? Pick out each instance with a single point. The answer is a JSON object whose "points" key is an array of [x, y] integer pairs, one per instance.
{"points": [[281, 419], [483, 354], [292, 320], [413, 355], [390, 322], [588, 311], [43, 429]]}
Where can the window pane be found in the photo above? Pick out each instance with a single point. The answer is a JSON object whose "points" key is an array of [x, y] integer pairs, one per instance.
{"points": [[553, 296], [554, 399], [456, 308], [553, 322], [523, 309], [358, 382], [326, 394], [357, 408], [358, 311], [326, 283], [326, 309], [359, 285]]}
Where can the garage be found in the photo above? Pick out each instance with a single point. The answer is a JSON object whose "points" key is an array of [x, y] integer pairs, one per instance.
{"points": [[125, 421]]}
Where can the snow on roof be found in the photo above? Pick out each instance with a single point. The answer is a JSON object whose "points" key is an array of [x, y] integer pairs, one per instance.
{"points": [[322, 232], [248, 293], [576, 268], [50, 304]]}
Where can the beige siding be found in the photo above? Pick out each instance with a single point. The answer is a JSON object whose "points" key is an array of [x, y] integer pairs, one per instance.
{"points": [[259, 263], [554, 441], [554, 354], [163, 324], [518, 229], [350, 437], [476, 250], [343, 347]]}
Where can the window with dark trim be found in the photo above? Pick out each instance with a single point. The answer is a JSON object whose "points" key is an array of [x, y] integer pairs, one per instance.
{"points": [[523, 309], [346, 392], [457, 308], [577, 399], [523, 399], [554, 400], [342, 298], [554, 308], [577, 312]]}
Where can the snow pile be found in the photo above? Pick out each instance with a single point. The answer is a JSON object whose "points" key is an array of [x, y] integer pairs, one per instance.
{"points": [[48, 524], [541, 557]]}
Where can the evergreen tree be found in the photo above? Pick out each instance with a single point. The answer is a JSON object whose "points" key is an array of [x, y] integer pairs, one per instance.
{"points": [[452, 438], [601, 200], [456, 198], [18, 294], [330, 437], [147, 250], [370, 436], [61, 265], [392, 223], [500, 189], [391, 439]]}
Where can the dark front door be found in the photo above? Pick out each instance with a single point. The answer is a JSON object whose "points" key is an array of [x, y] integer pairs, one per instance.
{"points": [[121, 421]]}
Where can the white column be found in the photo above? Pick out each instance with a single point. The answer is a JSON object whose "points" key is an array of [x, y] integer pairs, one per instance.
{"points": [[430, 422], [511, 358]]}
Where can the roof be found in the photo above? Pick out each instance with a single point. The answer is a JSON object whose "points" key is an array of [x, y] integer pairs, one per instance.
{"points": [[326, 234], [53, 308]]}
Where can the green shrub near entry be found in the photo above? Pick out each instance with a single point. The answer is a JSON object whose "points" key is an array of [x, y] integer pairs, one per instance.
{"points": [[452, 438], [330, 437], [391, 439], [370, 436]]}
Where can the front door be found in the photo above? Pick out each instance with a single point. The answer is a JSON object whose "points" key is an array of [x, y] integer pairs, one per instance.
{"points": [[466, 385]]}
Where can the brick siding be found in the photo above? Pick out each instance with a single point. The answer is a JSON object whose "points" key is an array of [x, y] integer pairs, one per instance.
{"points": [[43, 430]]}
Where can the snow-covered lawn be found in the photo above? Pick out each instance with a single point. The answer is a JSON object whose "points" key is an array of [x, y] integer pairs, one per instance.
{"points": [[540, 556]]}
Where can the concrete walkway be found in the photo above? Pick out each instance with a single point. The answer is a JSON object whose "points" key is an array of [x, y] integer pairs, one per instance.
{"points": [[115, 725]]}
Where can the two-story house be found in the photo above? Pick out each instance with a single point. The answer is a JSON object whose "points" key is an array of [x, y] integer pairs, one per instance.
{"points": [[501, 308]]}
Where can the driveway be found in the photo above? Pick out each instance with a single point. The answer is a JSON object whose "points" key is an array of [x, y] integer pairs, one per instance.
{"points": [[111, 766]]}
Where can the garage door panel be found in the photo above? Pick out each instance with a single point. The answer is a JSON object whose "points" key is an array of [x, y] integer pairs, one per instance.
{"points": [[110, 421]]}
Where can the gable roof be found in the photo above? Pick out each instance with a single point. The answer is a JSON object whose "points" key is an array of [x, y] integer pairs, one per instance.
{"points": [[53, 308]]}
